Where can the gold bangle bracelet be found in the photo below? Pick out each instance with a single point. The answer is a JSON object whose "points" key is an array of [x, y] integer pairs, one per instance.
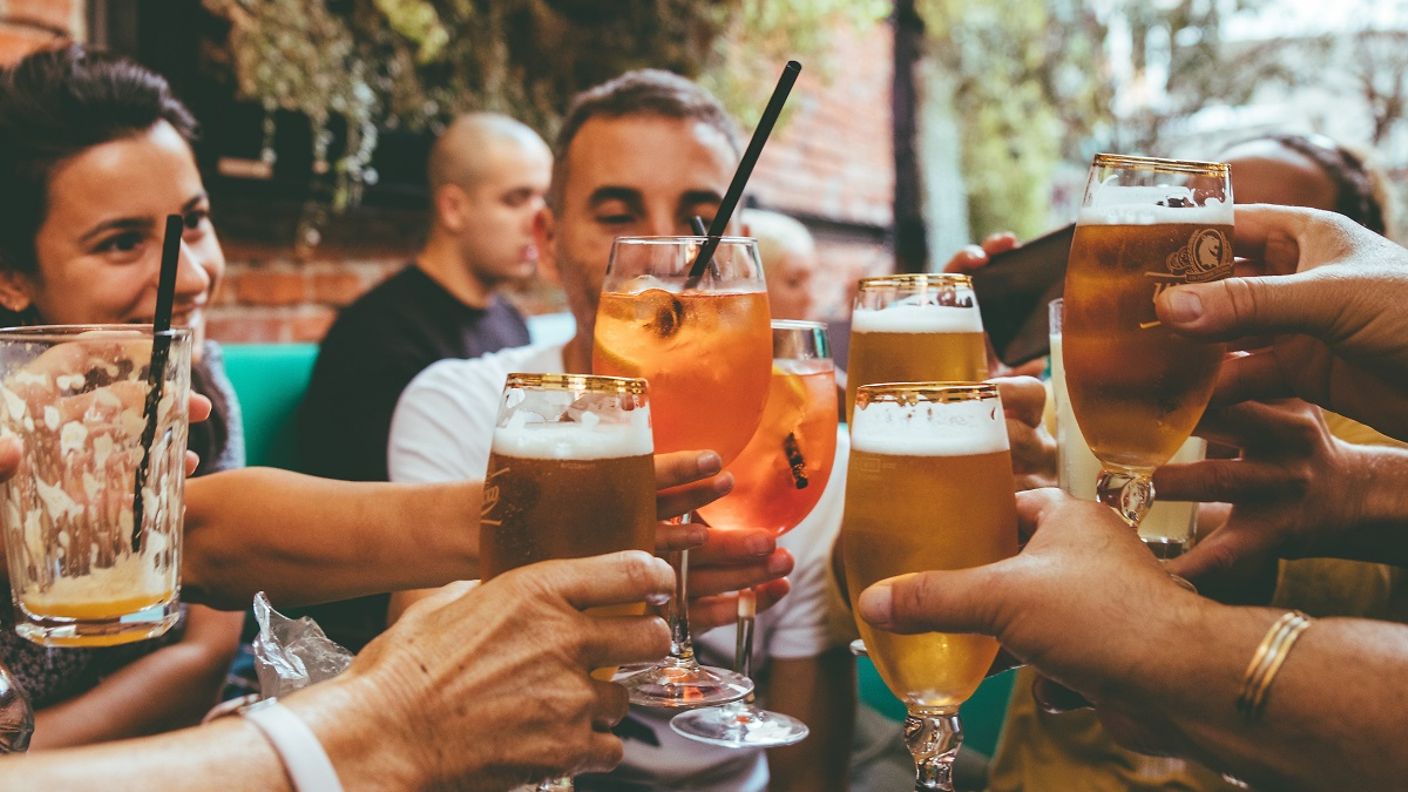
{"points": [[1267, 661]]}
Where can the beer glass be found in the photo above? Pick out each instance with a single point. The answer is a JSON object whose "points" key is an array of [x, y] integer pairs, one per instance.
{"points": [[705, 346], [929, 487], [1137, 389], [915, 328], [778, 479], [93, 514], [1168, 528], [571, 474]]}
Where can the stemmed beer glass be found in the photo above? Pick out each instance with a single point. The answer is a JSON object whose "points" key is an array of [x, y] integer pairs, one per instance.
{"points": [[779, 478], [929, 487], [704, 345], [1137, 389]]}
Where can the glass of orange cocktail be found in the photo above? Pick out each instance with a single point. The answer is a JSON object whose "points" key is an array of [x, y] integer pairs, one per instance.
{"points": [[93, 514], [779, 478], [703, 342]]}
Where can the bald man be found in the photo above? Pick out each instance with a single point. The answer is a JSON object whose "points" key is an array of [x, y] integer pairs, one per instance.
{"points": [[487, 176]]}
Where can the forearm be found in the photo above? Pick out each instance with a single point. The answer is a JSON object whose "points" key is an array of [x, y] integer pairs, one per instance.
{"points": [[820, 692], [168, 689], [1334, 717], [307, 540], [1381, 534]]}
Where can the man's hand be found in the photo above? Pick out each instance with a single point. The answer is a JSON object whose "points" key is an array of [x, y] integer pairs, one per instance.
{"points": [[489, 687], [1078, 597], [1033, 449], [721, 562], [1325, 300]]}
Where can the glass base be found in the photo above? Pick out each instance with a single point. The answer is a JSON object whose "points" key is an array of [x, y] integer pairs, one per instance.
{"points": [[684, 684], [739, 726], [66, 632]]}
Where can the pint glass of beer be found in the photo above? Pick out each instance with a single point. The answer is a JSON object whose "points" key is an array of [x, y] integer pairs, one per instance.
{"points": [[929, 487], [1136, 388], [915, 328], [571, 474]]}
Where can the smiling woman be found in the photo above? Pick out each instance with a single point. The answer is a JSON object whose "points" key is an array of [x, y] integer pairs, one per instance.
{"points": [[94, 153]]}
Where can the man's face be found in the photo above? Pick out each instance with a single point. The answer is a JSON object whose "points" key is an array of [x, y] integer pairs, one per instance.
{"points": [[497, 213], [639, 175]]}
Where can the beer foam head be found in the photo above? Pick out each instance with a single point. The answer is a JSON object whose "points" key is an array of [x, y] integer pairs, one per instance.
{"points": [[1117, 204], [586, 438], [909, 318], [924, 428]]}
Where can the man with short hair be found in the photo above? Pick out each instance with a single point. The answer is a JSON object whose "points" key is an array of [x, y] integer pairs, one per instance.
{"points": [[642, 155], [487, 176]]}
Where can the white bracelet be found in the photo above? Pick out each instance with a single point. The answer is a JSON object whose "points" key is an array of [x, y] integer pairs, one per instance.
{"points": [[303, 756]]}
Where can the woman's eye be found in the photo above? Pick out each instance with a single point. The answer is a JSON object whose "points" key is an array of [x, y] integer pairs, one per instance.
{"points": [[196, 218], [122, 243]]}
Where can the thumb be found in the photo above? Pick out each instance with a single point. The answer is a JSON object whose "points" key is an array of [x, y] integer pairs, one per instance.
{"points": [[958, 600], [1236, 307]]}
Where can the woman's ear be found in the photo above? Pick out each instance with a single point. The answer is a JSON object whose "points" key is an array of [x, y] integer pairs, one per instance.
{"points": [[15, 291]]}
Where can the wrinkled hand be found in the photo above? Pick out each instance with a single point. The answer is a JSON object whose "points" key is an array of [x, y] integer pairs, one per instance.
{"points": [[1330, 294], [489, 687], [1075, 603], [720, 562], [1033, 449]]}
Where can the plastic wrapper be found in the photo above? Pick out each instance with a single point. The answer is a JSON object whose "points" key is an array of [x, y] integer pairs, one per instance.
{"points": [[291, 654]]}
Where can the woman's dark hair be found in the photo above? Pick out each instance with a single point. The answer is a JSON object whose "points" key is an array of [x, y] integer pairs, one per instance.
{"points": [[55, 104], [1358, 188]]}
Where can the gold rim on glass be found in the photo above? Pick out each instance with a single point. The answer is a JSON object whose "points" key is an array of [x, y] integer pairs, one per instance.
{"points": [[1156, 165], [589, 383], [930, 392], [914, 281]]}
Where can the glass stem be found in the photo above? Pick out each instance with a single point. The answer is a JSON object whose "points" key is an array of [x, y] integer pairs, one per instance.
{"points": [[743, 648], [933, 735], [1129, 493], [681, 646]]}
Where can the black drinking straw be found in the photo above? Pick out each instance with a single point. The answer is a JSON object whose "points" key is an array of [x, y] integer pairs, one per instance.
{"points": [[156, 372], [745, 170], [697, 223]]}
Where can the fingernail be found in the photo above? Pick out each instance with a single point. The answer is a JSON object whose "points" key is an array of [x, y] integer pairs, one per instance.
{"points": [[874, 604], [975, 252], [760, 544], [658, 600], [778, 564], [1182, 305], [724, 484], [710, 463]]}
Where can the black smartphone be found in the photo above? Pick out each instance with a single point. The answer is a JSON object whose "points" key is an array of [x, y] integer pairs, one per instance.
{"points": [[1013, 291]]}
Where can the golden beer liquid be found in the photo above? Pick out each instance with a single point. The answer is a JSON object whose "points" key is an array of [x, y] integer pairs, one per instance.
{"points": [[1136, 388], [914, 357], [708, 356], [540, 509], [915, 513]]}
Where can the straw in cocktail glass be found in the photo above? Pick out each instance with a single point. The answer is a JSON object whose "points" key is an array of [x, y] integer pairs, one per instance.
{"points": [[156, 372]]}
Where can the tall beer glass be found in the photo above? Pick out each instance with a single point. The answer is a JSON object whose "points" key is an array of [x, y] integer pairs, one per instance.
{"points": [[571, 474], [915, 328], [779, 477], [1137, 389], [705, 346], [929, 487]]}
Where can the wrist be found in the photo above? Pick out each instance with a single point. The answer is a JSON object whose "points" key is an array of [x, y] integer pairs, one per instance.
{"points": [[344, 715], [1379, 528]]}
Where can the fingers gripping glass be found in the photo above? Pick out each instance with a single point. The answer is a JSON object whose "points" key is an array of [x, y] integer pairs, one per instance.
{"points": [[779, 478], [705, 346], [1136, 388]]}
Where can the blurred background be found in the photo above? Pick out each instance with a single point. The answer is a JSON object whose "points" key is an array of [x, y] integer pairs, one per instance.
{"points": [[918, 125]]}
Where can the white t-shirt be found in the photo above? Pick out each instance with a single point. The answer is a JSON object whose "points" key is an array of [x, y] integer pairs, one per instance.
{"points": [[442, 430]]}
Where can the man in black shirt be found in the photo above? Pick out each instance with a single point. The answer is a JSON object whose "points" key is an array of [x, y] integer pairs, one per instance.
{"points": [[487, 177]]}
